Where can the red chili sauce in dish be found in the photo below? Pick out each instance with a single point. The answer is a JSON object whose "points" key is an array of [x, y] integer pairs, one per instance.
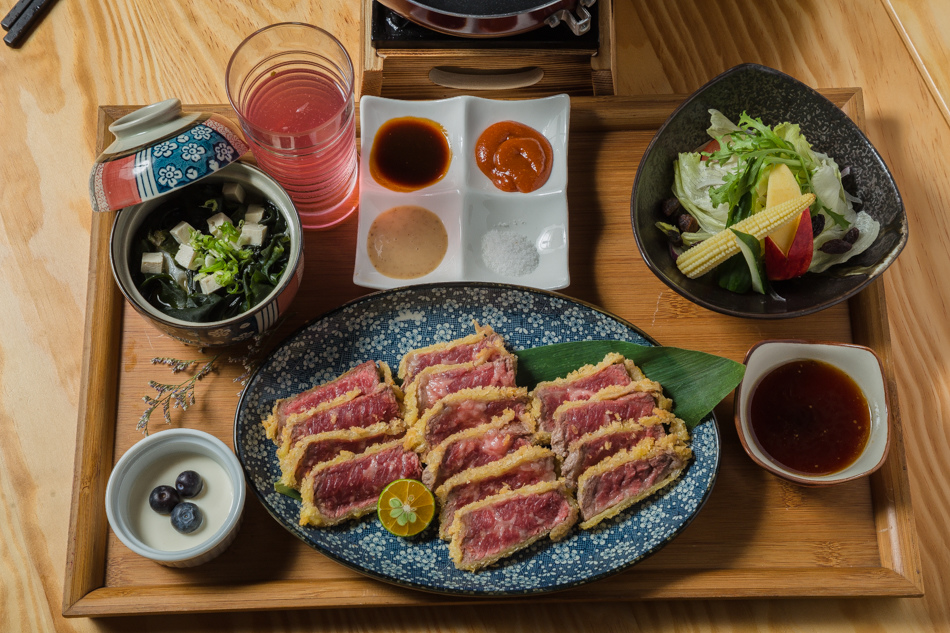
{"points": [[409, 153], [514, 156], [811, 417]]}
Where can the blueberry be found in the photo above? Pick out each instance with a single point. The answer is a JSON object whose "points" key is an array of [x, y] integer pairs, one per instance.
{"points": [[188, 484], [164, 499], [186, 517]]}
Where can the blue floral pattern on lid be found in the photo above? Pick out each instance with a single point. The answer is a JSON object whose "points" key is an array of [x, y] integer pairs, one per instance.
{"points": [[386, 325]]}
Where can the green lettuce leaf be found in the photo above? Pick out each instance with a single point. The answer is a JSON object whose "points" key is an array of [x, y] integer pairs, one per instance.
{"points": [[693, 179]]}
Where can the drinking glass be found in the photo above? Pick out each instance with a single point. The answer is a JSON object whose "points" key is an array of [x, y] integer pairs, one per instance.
{"points": [[291, 85]]}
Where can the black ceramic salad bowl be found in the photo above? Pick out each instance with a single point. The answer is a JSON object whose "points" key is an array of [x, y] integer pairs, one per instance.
{"points": [[774, 97]]}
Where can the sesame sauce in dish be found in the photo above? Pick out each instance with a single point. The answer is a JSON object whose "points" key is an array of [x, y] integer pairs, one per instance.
{"points": [[407, 242], [409, 153], [810, 416]]}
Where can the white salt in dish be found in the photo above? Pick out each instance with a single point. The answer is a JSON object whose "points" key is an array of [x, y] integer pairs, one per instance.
{"points": [[477, 216]]}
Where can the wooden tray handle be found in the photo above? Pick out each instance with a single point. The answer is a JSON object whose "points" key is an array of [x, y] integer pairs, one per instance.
{"points": [[485, 79]]}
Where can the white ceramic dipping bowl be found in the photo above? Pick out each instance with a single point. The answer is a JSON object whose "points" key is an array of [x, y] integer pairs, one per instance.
{"points": [[123, 493], [860, 363]]}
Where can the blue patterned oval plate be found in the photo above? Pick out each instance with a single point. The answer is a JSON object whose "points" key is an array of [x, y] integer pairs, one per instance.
{"points": [[386, 325]]}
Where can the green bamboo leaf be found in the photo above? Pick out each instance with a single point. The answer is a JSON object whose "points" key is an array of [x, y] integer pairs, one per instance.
{"points": [[696, 381], [287, 491]]}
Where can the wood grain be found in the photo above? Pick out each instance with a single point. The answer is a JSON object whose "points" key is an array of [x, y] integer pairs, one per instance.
{"points": [[85, 54]]}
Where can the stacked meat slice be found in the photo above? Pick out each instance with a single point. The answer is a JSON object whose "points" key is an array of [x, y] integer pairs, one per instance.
{"points": [[476, 430], [504, 464], [341, 442], [614, 432]]}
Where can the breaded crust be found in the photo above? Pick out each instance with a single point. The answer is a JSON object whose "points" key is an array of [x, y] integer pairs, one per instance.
{"points": [[524, 455], [458, 532], [418, 427], [434, 457], [481, 332], [671, 425], [645, 450], [412, 396], [614, 392], [310, 513], [270, 422], [612, 358], [290, 460]]}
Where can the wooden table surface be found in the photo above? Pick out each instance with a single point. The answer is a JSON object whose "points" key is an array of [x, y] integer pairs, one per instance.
{"points": [[140, 51]]}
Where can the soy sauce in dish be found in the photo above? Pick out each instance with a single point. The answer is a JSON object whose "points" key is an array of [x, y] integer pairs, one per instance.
{"points": [[407, 242], [409, 153], [811, 417]]}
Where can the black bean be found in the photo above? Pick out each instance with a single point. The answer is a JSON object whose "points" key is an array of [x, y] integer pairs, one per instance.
{"points": [[852, 235], [671, 207], [673, 236], [817, 224], [687, 223], [848, 182], [835, 247]]}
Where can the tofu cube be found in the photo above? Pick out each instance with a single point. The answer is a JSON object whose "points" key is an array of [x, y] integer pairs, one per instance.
{"points": [[182, 232], [153, 263], [208, 284], [186, 257], [215, 222], [253, 234], [233, 191], [254, 214]]}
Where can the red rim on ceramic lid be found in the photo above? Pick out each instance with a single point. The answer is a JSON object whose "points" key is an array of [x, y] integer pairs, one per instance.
{"points": [[157, 150]]}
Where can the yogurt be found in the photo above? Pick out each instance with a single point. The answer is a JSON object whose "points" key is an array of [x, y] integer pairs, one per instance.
{"points": [[214, 501]]}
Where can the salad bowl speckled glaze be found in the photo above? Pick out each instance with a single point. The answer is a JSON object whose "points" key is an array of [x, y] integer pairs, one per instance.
{"points": [[386, 325], [774, 97]]}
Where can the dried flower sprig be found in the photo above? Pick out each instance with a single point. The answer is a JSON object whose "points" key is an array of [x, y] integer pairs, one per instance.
{"points": [[168, 396], [182, 395]]}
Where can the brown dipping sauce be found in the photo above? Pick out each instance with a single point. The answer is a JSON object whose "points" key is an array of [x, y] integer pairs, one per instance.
{"points": [[514, 156], [407, 242], [409, 153], [811, 417]]}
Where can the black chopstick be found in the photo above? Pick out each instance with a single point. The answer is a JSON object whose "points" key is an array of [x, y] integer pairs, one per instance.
{"points": [[29, 16], [14, 13]]}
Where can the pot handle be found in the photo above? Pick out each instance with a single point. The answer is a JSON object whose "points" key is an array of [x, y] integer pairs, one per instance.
{"points": [[579, 24], [478, 79]]}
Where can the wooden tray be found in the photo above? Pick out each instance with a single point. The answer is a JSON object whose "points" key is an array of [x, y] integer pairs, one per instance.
{"points": [[757, 536]]}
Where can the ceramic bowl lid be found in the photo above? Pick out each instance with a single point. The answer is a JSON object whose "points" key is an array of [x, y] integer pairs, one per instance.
{"points": [[158, 149]]}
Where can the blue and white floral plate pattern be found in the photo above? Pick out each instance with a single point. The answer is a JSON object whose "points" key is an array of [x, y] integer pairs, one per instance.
{"points": [[386, 325]]}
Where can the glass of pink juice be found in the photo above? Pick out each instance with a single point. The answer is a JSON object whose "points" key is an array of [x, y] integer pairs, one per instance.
{"points": [[291, 85]]}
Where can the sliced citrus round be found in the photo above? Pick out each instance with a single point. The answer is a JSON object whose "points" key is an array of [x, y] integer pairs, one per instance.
{"points": [[405, 507]]}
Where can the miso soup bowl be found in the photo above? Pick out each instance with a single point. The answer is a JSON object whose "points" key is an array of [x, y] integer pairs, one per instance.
{"points": [[258, 319], [862, 364]]}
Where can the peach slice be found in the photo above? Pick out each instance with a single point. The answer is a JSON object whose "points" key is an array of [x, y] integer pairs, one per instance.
{"points": [[782, 188]]}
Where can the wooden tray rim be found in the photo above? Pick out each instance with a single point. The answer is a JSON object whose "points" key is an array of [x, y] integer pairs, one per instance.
{"points": [[85, 593]]}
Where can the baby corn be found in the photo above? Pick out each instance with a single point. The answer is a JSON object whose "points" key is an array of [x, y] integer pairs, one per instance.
{"points": [[709, 253]]}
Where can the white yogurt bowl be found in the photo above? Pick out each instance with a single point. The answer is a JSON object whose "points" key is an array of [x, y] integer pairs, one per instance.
{"points": [[158, 459]]}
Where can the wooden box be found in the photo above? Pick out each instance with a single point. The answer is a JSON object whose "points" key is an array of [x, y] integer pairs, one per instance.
{"points": [[436, 73]]}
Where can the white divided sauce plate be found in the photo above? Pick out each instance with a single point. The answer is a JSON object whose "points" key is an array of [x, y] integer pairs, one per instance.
{"points": [[466, 201]]}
